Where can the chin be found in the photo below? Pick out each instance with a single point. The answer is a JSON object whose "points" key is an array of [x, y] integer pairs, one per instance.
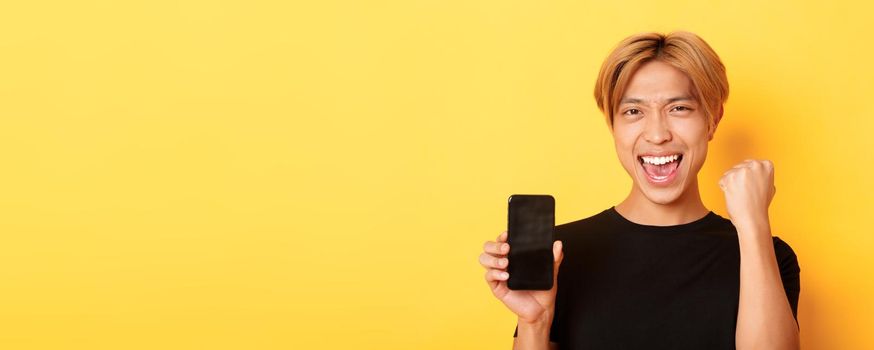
{"points": [[664, 195], [662, 199]]}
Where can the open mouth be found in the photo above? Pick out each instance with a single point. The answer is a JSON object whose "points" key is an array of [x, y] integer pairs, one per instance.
{"points": [[660, 169]]}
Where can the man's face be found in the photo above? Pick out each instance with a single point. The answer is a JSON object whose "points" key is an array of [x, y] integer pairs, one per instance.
{"points": [[660, 132]]}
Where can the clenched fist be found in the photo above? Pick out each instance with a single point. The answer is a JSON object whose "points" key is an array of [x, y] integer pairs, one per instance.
{"points": [[749, 189]]}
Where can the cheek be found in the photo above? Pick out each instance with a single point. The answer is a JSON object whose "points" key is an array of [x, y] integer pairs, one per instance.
{"points": [[625, 153], [699, 148], [623, 138], [692, 127], [693, 133], [621, 147]]}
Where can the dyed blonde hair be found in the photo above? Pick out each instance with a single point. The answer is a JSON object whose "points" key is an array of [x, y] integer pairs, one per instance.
{"points": [[683, 50]]}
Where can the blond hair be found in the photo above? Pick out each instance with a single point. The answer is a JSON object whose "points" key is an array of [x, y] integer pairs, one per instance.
{"points": [[683, 50]]}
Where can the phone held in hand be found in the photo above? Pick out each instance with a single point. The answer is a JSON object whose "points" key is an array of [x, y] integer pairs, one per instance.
{"points": [[530, 224]]}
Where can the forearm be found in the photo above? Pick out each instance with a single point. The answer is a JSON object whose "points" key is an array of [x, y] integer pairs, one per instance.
{"points": [[764, 319], [533, 335]]}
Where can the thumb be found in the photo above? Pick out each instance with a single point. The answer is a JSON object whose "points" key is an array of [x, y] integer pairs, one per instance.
{"points": [[558, 256]]}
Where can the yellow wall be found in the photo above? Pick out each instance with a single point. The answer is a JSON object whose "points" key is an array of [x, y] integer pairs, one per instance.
{"points": [[322, 174]]}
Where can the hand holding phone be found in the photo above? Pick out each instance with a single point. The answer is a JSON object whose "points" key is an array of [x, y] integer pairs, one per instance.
{"points": [[528, 305]]}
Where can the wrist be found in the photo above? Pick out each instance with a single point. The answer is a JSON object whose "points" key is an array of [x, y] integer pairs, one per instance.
{"points": [[752, 223], [544, 319], [753, 231], [535, 332]]}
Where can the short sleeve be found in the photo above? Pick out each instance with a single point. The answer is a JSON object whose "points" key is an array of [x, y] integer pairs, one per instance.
{"points": [[790, 272]]}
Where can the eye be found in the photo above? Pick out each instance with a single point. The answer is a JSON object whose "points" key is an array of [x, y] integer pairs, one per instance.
{"points": [[681, 108], [632, 111]]}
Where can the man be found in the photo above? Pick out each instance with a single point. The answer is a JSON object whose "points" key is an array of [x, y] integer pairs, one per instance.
{"points": [[659, 270]]}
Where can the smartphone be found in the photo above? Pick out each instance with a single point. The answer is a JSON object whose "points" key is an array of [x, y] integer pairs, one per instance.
{"points": [[530, 224]]}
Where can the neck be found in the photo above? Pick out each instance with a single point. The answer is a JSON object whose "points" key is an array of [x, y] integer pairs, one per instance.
{"points": [[687, 208]]}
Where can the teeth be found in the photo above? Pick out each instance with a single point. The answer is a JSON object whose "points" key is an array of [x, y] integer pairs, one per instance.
{"points": [[660, 160]]}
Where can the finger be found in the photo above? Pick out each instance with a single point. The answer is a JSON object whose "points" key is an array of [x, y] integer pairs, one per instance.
{"points": [[502, 237], [558, 256], [494, 275], [496, 248], [557, 253], [499, 289], [492, 262], [491, 282]]}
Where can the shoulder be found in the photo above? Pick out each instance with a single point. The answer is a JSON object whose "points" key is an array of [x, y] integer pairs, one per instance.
{"points": [[779, 242], [786, 257], [782, 248]]}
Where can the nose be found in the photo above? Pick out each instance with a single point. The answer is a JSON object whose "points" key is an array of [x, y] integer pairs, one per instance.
{"points": [[657, 130]]}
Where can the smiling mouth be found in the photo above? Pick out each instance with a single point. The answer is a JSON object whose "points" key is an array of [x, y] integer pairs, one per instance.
{"points": [[660, 169]]}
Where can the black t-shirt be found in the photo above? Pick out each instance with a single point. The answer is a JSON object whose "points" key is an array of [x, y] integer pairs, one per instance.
{"points": [[624, 285]]}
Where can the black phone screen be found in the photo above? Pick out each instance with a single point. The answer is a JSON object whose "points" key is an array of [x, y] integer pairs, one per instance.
{"points": [[531, 219]]}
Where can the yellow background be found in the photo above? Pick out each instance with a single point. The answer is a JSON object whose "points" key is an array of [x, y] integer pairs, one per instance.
{"points": [[322, 174]]}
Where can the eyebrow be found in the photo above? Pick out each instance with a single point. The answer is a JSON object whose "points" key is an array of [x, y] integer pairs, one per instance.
{"points": [[670, 100]]}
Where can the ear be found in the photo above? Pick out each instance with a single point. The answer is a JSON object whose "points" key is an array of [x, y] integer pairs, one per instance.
{"points": [[716, 123]]}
